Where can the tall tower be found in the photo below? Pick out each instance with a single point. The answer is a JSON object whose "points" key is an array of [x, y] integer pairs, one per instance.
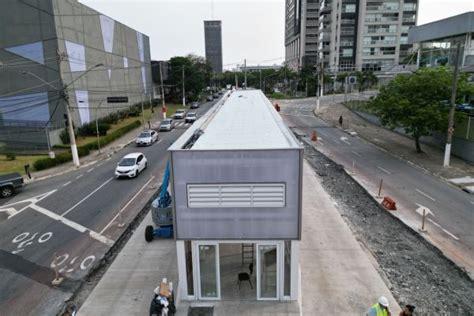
{"points": [[213, 40]]}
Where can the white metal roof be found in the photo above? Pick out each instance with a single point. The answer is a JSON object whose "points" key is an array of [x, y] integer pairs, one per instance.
{"points": [[245, 120]]}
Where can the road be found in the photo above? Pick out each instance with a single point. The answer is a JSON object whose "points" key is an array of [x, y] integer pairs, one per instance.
{"points": [[67, 223], [449, 227]]}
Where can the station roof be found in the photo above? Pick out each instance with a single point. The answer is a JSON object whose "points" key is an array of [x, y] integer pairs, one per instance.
{"points": [[244, 119]]}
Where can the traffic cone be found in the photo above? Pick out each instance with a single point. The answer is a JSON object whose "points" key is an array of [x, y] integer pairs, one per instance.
{"points": [[314, 136]]}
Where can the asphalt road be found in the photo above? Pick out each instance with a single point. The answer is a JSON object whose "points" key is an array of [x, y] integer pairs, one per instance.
{"points": [[450, 226], [67, 223]]}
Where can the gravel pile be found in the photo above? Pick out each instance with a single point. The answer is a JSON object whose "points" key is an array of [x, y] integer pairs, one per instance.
{"points": [[418, 272]]}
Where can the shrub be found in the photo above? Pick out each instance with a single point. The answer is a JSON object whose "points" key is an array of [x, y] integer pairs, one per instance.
{"points": [[10, 155], [64, 136], [46, 163]]}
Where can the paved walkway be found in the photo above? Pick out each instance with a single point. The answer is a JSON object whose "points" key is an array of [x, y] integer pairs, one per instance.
{"points": [[431, 159], [337, 275], [94, 156]]}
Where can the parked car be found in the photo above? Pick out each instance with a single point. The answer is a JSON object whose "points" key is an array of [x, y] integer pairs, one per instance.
{"points": [[166, 125], [194, 105], [210, 98], [179, 114], [190, 117], [216, 95], [131, 165], [10, 183], [465, 107], [146, 138]]}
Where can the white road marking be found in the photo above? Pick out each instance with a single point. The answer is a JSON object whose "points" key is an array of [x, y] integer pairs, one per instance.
{"points": [[100, 164], [66, 184], [73, 225], [108, 159], [90, 169], [79, 176], [32, 200], [187, 124], [426, 195], [440, 227], [356, 153], [384, 170], [88, 196], [344, 139], [126, 205], [420, 209]]}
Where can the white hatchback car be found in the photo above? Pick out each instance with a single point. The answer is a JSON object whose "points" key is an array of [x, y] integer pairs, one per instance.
{"points": [[131, 165], [146, 138]]}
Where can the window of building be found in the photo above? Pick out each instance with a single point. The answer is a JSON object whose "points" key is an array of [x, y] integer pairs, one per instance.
{"points": [[349, 8], [347, 52], [236, 195]]}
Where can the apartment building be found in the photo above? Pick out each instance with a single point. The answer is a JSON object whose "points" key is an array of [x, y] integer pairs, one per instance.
{"points": [[213, 43], [367, 35], [301, 33]]}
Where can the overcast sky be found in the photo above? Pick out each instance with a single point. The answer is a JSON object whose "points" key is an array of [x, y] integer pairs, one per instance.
{"points": [[252, 29]]}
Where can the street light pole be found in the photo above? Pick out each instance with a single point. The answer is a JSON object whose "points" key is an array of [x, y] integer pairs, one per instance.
{"points": [[447, 151], [184, 92], [97, 124], [72, 137]]}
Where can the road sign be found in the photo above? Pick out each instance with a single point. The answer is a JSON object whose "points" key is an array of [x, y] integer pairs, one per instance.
{"points": [[117, 99]]}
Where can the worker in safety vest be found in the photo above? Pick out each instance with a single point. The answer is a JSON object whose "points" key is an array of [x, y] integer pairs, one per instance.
{"points": [[380, 308]]}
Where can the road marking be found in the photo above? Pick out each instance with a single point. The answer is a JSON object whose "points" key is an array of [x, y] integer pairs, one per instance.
{"points": [[440, 227], [100, 164], [32, 200], [126, 205], [90, 169], [79, 176], [356, 153], [384, 170], [73, 225], [344, 139], [426, 195], [88, 196], [66, 184], [108, 159]]}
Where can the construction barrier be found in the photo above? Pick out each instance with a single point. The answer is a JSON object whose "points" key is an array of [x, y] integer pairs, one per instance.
{"points": [[389, 204]]}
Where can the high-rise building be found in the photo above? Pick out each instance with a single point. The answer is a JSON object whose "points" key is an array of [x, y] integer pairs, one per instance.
{"points": [[367, 35], [213, 40], [301, 33], [60, 43]]}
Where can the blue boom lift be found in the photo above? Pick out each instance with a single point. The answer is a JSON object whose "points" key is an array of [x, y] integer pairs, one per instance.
{"points": [[161, 211]]}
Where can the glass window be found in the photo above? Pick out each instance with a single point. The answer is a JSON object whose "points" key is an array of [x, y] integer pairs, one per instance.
{"points": [[208, 271], [189, 266], [287, 267], [349, 8], [268, 271]]}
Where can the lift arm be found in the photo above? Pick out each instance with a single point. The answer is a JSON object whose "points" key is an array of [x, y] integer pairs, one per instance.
{"points": [[165, 198]]}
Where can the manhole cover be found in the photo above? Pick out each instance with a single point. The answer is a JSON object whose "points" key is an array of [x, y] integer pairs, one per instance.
{"points": [[201, 311]]}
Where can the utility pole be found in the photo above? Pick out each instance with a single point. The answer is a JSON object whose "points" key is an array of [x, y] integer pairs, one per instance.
{"points": [[163, 105], [317, 87], [184, 92], [143, 111], [236, 82], [260, 79], [447, 151], [245, 72], [72, 136]]}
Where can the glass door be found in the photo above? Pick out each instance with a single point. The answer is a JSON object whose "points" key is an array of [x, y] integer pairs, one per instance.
{"points": [[208, 271], [268, 271]]}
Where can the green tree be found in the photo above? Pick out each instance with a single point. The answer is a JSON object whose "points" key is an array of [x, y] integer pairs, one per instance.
{"points": [[417, 102], [197, 74]]}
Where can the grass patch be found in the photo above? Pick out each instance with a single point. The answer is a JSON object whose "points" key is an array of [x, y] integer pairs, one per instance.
{"points": [[17, 165]]}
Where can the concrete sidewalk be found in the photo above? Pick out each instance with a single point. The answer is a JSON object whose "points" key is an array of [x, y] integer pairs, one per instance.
{"points": [[94, 156], [337, 275]]}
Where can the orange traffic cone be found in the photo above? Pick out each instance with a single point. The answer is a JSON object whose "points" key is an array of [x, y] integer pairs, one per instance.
{"points": [[314, 136]]}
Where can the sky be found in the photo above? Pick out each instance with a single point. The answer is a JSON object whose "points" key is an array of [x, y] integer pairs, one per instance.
{"points": [[251, 29]]}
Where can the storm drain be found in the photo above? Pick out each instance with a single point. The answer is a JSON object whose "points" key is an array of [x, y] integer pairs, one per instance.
{"points": [[200, 311]]}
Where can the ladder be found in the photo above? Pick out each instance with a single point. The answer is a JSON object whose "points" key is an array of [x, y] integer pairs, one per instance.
{"points": [[248, 251]]}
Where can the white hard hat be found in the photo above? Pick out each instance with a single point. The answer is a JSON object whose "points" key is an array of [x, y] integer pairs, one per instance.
{"points": [[383, 301]]}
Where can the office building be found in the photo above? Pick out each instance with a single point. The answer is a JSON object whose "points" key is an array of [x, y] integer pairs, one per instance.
{"points": [[53, 43], [236, 209], [301, 33], [213, 41], [437, 41], [365, 35]]}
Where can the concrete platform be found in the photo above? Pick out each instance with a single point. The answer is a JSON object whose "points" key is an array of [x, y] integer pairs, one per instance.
{"points": [[337, 275]]}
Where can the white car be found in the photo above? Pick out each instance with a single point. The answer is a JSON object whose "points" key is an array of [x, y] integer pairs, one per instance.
{"points": [[131, 165], [146, 138], [166, 125], [179, 114], [190, 117]]}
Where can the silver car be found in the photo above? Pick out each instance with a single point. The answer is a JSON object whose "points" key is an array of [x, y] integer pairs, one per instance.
{"points": [[179, 114], [166, 125]]}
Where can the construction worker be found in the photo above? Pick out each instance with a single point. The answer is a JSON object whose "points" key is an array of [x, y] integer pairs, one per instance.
{"points": [[380, 308], [341, 120]]}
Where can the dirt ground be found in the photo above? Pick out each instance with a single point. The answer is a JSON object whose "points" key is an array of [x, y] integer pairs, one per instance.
{"points": [[431, 159], [418, 273]]}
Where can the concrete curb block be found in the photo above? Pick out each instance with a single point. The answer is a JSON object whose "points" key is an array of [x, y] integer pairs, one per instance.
{"points": [[414, 230]]}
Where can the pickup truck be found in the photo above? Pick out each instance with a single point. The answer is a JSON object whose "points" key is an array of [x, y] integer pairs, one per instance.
{"points": [[9, 184]]}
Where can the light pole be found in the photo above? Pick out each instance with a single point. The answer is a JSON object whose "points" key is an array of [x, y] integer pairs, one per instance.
{"points": [[72, 138]]}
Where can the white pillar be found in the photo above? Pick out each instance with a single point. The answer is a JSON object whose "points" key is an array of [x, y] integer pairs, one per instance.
{"points": [[295, 270], [182, 293]]}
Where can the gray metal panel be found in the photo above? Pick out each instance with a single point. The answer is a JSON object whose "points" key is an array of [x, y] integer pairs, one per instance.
{"points": [[244, 166], [456, 25]]}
